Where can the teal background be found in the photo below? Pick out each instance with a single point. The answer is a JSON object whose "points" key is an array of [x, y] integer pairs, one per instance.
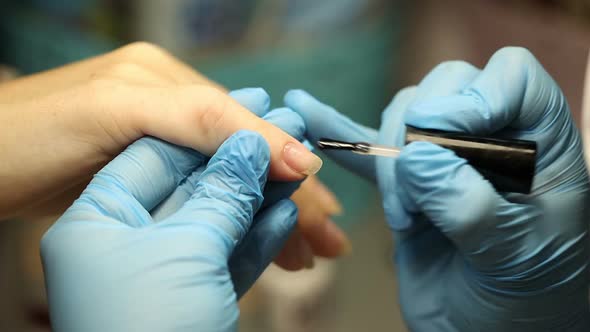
{"points": [[350, 69]]}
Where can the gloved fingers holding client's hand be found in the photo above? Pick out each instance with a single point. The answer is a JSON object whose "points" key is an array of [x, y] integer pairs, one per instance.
{"points": [[110, 265], [164, 225]]}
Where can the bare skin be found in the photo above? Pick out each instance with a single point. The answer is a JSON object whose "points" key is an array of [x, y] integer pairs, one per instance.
{"points": [[61, 126]]}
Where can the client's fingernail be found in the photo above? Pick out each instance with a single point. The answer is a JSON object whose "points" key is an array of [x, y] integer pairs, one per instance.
{"points": [[334, 231], [308, 262], [305, 253], [346, 248], [300, 159], [329, 200]]}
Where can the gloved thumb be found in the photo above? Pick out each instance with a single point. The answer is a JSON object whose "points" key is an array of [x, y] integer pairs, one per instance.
{"points": [[229, 192], [465, 207]]}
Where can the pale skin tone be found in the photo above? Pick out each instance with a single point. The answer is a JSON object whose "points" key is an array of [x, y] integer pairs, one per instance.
{"points": [[60, 127]]}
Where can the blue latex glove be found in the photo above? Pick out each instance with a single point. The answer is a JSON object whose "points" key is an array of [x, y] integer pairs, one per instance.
{"points": [[470, 258], [164, 239]]}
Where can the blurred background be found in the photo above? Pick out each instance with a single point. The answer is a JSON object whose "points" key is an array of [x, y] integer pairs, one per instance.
{"points": [[352, 54]]}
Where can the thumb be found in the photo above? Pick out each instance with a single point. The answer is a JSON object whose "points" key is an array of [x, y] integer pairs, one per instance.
{"points": [[322, 120], [262, 244], [229, 191], [434, 182], [256, 100]]}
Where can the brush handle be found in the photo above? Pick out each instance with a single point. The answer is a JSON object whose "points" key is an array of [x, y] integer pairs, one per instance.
{"points": [[508, 164]]}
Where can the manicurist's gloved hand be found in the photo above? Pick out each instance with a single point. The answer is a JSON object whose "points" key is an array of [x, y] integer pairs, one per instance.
{"points": [[316, 234], [111, 265], [469, 258]]}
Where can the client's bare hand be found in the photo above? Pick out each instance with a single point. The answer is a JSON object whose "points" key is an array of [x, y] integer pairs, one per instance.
{"points": [[60, 127]]}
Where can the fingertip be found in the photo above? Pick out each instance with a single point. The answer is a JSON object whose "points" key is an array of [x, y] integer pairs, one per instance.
{"points": [[421, 168], [400, 222], [296, 96], [302, 102], [246, 149], [459, 112], [397, 217], [327, 239], [295, 252], [420, 113], [424, 159], [452, 67], [229, 191], [505, 77], [402, 97], [392, 129], [278, 190], [282, 112], [326, 198], [399, 103], [324, 121], [250, 141], [434, 181], [262, 243], [420, 147], [279, 219], [257, 100], [447, 77], [289, 210], [514, 54], [288, 120], [293, 161]]}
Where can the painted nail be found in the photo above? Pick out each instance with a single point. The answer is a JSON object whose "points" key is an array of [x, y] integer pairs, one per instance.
{"points": [[300, 159]]}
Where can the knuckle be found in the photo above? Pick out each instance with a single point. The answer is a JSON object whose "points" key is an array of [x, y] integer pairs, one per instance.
{"points": [[405, 92], [468, 191], [47, 241], [402, 166], [56, 239], [262, 93], [453, 66], [399, 102], [212, 114], [142, 50], [287, 120], [464, 222], [515, 54]]}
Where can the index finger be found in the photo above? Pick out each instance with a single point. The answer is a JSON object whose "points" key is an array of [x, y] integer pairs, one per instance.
{"points": [[322, 120], [202, 117], [137, 180]]}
